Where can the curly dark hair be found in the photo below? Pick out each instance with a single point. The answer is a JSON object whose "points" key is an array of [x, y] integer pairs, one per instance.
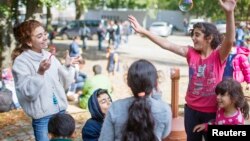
{"points": [[209, 30], [235, 91]]}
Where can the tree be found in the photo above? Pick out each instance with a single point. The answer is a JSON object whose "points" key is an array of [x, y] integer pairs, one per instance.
{"points": [[49, 4], [7, 8], [243, 10], [33, 7]]}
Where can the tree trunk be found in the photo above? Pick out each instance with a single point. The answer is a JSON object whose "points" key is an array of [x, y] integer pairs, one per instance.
{"points": [[33, 7], [79, 9], [15, 11], [6, 35], [49, 18], [248, 13]]}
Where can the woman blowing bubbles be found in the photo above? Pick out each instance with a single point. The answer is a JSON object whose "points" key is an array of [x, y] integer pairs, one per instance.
{"points": [[39, 77]]}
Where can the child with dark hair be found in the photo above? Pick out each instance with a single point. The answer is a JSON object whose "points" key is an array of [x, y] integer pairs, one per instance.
{"points": [[206, 61], [98, 105], [61, 127], [142, 117], [232, 105]]}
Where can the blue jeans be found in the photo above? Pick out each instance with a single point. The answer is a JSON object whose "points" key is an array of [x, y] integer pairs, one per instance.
{"points": [[40, 127], [193, 118], [84, 43]]}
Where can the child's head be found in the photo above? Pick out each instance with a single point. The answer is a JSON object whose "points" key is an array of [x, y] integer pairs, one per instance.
{"points": [[61, 126], [230, 91], [142, 77], [207, 31], [77, 39], [99, 103], [97, 69], [29, 35], [110, 48], [104, 100]]}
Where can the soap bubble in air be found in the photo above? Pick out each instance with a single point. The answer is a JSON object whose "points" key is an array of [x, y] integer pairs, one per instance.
{"points": [[185, 5]]}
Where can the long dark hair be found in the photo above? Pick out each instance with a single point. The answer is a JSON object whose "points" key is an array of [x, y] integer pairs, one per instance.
{"points": [[209, 30], [23, 33], [235, 91], [142, 77]]}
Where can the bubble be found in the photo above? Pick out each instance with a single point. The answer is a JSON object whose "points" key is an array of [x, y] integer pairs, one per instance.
{"points": [[185, 5]]}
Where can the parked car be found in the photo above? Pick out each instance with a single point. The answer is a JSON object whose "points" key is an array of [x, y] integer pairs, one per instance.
{"points": [[161, 28], [73, 27], [191, 24], [221, 26]]}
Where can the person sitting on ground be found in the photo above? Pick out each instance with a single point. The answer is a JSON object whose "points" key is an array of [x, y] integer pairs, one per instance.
{"points": [[99, 80], [61, 127], [80, 77], [98, 105], [142, 117], [75, 89]]}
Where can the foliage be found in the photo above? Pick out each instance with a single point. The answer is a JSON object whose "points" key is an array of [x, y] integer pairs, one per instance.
{"points": [[50, 3], [4, 12]]}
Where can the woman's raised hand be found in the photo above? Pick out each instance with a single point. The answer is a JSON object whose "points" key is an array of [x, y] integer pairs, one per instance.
{"points": [[135, 25], [228, 5]]}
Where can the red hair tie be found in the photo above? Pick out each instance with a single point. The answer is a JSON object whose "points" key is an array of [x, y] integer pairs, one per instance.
{"points": [[141, 94]]}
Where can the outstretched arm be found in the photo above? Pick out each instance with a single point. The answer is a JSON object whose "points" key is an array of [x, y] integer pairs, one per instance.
{"points": [[163, 43], [228, 6]]}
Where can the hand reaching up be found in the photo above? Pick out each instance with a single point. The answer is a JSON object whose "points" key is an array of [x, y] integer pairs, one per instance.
{"points": [[135, 25], [228, 5]]}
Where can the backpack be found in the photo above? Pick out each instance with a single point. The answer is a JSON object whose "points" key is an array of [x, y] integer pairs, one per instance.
{"points": [[117, 31], [6, 103]]}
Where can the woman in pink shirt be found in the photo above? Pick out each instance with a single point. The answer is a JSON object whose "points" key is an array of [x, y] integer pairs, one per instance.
{"points": [[232, 105], [206, 62]]}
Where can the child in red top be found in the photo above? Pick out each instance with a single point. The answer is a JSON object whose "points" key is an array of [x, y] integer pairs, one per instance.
{"points": [[206, 62], [232, 105]]}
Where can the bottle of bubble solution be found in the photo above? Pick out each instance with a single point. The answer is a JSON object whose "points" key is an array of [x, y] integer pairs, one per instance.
{"points": [[185, 5]]}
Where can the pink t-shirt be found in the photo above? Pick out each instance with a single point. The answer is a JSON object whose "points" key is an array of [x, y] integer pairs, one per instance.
{"points": [[221, 119], [204, 75]]}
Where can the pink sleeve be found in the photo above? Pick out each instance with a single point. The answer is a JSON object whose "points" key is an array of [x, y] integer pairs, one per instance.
{"points": [[239, 119], [245, 67], [190, 53]]}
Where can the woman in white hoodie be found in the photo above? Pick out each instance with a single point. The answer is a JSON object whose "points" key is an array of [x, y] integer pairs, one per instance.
{"points": [[39, 77]]}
